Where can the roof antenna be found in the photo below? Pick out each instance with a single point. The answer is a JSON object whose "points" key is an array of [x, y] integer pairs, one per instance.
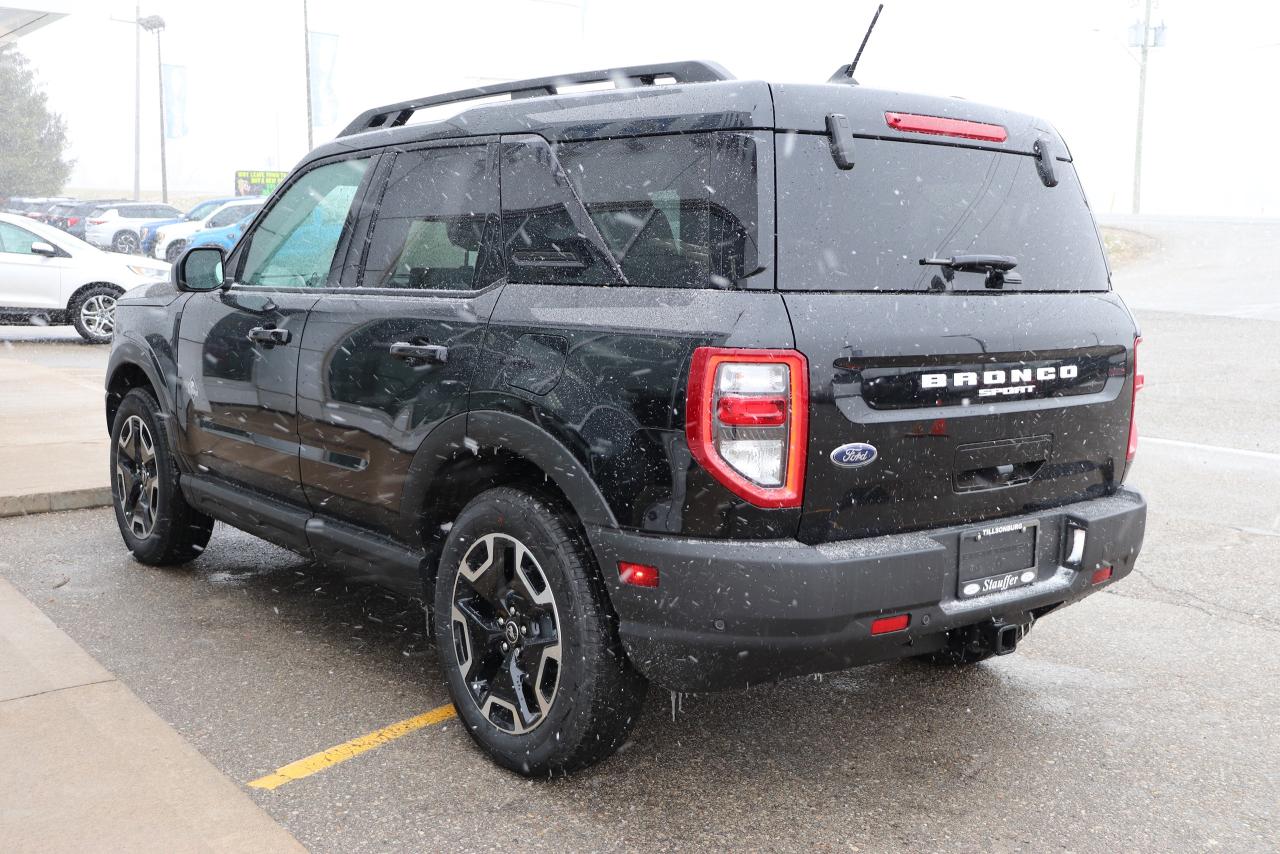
{"points": [[844, 74]]}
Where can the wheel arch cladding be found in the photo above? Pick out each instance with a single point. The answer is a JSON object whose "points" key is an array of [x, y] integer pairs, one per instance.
{"points": [[470, 454], [125, 378]]}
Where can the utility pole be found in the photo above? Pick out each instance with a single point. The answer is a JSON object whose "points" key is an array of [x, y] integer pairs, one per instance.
{"points": [[1144, 42], [137, 104], [306, 52], [155, 24]]}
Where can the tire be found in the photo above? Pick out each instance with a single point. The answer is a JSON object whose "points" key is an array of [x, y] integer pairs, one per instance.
{"points": [[93, 313], [173, 250], [125, 242], [587, 694], [156, 522]]}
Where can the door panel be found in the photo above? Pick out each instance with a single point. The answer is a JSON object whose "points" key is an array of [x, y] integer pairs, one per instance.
{"points": [[237, 397], [27, 280], [388, 361], [364, 411]]}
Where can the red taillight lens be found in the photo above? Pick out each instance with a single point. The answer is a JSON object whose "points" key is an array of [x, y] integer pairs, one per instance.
{"points": [[885, 625], [72, 220], [637, 574], [96, 221], [945, 127], [1138, 382], [747, 421], [752, 411]]}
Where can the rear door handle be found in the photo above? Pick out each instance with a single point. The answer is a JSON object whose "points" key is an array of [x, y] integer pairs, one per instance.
{"points": [[419, 353], [269, 336]]}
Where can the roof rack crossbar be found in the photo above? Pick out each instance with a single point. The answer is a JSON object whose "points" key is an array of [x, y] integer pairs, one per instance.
{"points": [[395, 115]]}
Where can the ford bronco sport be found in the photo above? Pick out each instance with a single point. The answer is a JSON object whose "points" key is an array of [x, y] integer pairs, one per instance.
{"points": [[692, 381]]}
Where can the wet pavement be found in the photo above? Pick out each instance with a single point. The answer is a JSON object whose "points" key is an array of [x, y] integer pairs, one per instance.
{"points": [[1141, 719]]}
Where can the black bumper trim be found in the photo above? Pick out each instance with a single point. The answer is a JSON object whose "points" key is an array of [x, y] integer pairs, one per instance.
{"points": [[730, 613]]}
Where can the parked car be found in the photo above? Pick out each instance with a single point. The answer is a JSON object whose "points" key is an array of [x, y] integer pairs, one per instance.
{"points": [[49, 277], [170, 240], [43, 211], [117, 226], [71, 217], [199, 212], [225, 238], [731, 382]]}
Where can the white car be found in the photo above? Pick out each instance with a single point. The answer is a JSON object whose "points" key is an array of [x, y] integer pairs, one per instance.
{"points": [[117, 226], [49, 277], [173, 238]]}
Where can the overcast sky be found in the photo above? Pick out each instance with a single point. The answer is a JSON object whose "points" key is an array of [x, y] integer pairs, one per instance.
{"points": [[1211, 120]]}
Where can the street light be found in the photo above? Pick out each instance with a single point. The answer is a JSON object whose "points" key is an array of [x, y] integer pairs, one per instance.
{"points": [[155, 24]]}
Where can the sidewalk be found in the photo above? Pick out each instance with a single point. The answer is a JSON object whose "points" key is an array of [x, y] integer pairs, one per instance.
{"points": [[87, 766], [53, 435]]}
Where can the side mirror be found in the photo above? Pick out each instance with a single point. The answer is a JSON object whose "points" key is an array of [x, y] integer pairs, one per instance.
{"points": [[199, 270], [39, 247]]}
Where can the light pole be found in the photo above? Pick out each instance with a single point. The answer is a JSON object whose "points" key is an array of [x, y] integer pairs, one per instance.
{"points": [[306, 53], [155, 24], [1142, 38]]}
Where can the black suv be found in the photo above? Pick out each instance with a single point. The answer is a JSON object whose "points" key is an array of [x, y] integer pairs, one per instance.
{"points": [[694, 381]]}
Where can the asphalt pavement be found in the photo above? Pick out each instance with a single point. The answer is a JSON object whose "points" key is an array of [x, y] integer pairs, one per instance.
{"points": [[1143, 719]]}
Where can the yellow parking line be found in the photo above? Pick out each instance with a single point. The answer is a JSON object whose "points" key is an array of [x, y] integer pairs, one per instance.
{"points": [[349, 749]]}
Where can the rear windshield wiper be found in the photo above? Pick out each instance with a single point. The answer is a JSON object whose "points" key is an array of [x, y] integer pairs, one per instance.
{"points": [[996, 267]]}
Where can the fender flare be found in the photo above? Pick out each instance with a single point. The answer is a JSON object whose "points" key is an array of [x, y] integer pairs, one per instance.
{"points": [[489, 428]]}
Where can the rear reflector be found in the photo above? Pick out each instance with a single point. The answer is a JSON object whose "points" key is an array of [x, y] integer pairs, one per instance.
{"points": [[637, 574], [885, 625], [945, 127], [1101, 574]]}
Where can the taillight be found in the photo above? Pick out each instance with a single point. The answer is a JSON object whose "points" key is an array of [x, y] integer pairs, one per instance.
{"points": [[1138, 382], [96, 221], [72, 220], [945, 127], [747, 421]]}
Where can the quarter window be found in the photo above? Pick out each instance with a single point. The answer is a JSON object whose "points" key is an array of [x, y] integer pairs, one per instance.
{"points": [[678, 211], [294, 244]]}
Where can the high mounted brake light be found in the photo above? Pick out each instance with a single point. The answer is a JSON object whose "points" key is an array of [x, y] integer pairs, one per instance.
{"points": [[945, 127], [747, 421]]}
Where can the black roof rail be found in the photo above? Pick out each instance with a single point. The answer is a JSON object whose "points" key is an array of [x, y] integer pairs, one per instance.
{"points": [[394, 115]]}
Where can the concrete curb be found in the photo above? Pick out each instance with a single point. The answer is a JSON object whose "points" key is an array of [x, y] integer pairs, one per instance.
{"points": [[50, 502]]}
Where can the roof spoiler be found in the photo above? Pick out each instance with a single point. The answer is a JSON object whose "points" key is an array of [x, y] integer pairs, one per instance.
{"points": [[395, 115]]}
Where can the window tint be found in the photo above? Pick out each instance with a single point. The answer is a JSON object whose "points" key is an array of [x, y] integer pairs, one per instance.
{"points": [[231, 215], [868, 227], [293, 246], [15, 240], [668, 211], [437, 226]]}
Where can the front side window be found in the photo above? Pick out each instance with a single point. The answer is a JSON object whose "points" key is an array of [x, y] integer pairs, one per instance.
{"points": [[294, 244], [680, 211], [437, 225], [14, 240]]}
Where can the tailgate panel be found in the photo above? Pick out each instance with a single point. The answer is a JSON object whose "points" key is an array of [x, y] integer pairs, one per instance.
{"points": [[905, 373]]}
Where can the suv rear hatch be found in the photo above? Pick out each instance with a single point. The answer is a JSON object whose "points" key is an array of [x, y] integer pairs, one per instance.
{"points": [[945, 394]]}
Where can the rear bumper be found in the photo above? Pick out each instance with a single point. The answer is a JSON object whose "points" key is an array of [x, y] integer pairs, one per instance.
{"points": [[730, 613]]}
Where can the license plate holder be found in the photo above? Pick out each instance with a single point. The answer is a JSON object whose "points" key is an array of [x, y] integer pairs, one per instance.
{"points": [[998, 557]]}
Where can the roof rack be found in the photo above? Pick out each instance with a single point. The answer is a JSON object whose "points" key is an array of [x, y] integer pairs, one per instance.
{"points": [[395, 115]]}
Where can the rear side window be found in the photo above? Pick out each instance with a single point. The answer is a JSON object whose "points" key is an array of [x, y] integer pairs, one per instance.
{"points": [[437, 225], [866, 228], [679, 211]]}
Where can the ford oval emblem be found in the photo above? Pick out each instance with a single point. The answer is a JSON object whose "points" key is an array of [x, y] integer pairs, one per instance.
{"points": [[854, 455]]}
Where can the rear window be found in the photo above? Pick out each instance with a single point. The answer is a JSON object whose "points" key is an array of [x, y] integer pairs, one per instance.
{"points": [[866, 228]]}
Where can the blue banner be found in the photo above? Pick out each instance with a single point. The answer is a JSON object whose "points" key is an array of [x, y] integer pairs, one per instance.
{"points": [[175, 100]]}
